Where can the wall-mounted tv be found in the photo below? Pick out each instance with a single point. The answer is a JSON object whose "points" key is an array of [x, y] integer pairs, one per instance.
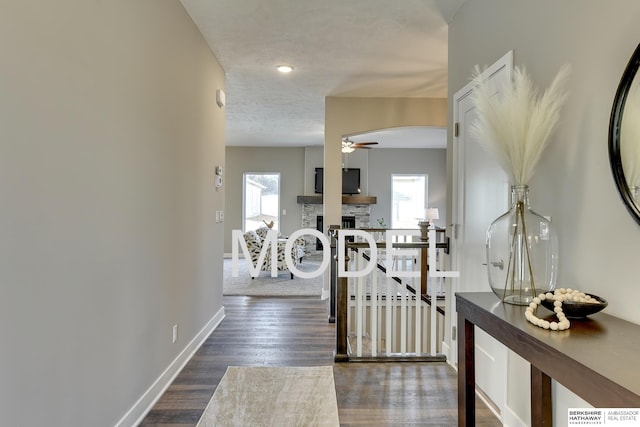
{"points": [[350, 181]]}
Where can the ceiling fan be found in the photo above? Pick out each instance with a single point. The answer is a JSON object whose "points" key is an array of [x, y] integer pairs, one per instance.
{"points": [[348, 146]]}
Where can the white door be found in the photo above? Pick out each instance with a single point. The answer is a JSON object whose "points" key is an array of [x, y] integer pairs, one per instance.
{"points": [[480, 195]]}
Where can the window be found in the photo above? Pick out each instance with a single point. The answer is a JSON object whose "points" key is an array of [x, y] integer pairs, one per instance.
{"points": [[408, 200], [261, 203]]}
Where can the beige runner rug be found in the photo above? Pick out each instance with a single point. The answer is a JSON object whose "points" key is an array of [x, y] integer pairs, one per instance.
{"points": [[278, 397]]}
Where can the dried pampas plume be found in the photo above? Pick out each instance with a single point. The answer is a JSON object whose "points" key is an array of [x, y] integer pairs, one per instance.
{"points": [[516, 125]]}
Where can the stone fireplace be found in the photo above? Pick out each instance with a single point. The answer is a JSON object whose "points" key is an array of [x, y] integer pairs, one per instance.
{"points": [[354, 215]]}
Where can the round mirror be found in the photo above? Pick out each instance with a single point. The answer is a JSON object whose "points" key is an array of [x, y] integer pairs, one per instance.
{"points": [[624, 137]]}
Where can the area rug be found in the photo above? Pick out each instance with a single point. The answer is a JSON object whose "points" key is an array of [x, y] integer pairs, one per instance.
{"points": [[265, 285], [278, 397]]}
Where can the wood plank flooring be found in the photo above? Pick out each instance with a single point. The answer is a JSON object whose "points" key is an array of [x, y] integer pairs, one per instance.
{"points": [[269, 331]]}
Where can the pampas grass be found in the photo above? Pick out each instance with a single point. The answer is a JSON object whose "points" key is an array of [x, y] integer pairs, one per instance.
{"points": [[516, 125]]}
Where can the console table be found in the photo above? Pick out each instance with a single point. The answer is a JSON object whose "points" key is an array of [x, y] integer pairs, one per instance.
{"points": [[597, 358]]}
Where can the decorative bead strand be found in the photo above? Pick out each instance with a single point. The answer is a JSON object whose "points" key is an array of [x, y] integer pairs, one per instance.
{"points": [[530, 314], [558, 297]]}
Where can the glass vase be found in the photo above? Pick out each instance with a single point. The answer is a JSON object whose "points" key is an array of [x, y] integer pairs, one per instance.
{"points": [[522, 252]]}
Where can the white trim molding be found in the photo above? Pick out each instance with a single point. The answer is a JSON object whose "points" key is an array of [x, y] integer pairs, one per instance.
{"points": [[135, 415]]}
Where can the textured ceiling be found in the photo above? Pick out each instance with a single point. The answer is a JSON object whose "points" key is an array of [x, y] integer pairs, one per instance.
{"points": [[360, 48]]}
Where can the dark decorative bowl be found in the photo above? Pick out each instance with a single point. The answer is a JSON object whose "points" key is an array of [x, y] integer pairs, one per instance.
{"points": [[577, 310]]}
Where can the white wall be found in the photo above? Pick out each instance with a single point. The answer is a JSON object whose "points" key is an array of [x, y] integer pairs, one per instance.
{"points": [[109, 138], [288, 161], [599, 240], [386, 162]]}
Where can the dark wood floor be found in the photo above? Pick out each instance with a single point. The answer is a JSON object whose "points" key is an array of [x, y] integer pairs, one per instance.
{"points": [[294, 332]]}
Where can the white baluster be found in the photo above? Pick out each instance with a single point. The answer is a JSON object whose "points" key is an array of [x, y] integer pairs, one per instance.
{"points": [[418, 311], [403, 312], [374, 312], [390, 314], [359, 305]]}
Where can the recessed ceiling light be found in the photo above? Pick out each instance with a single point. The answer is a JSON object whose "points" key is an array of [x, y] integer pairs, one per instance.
{"points": [[284, 68]]}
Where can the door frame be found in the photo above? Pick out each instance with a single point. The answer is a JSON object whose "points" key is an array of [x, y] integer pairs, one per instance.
{"points": [[457, 228], [457, 202], [457, 195]]}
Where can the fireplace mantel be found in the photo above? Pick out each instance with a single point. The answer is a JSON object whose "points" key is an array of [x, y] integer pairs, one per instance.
{"points": [[346, 200]]}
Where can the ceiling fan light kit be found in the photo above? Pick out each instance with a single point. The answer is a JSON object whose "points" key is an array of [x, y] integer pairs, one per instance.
{"points": [[346, 149], [349, 146]]}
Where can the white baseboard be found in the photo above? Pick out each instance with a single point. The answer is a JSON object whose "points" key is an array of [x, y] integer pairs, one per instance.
{"points": [[489, 404], [134, 416], [510, 419]]}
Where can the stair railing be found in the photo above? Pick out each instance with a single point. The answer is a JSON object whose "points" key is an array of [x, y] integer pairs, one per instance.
{"points": [[382, 316]]}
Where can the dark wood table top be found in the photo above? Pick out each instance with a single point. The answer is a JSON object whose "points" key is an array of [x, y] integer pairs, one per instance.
{"points": [[598, 357]]}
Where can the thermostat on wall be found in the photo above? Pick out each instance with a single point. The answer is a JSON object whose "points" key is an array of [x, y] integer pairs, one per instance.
{"points": [[218, 176]]}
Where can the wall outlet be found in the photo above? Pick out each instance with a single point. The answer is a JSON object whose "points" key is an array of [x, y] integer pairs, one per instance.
{"points": [[175, 333], [221, 216]]}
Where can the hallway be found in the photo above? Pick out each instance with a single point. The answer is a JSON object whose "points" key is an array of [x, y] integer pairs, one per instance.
{"points": [[267, 331]]}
